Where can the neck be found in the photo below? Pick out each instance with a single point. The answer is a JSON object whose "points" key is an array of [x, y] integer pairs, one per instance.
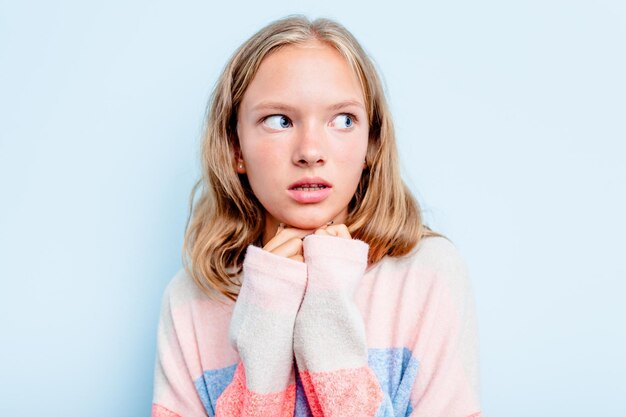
{"points": [[271, 226]]}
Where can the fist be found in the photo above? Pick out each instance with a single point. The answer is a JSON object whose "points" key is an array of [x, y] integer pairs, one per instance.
{"points": [[337, 230], [288, 242]]}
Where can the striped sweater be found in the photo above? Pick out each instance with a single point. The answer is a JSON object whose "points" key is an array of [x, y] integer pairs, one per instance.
{"points": [[327, 337]]}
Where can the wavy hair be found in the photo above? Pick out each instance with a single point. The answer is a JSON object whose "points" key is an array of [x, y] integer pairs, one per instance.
{"points": [[227, 217]]}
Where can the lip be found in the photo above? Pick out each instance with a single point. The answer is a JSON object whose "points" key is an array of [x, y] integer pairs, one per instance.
{"points": [[309, 197]]}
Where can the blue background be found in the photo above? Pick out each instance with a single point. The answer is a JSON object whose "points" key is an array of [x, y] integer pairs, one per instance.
{"points": [[511, 125]]}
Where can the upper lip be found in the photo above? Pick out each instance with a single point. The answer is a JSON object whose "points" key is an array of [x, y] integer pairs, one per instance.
{"points": [[309, 181]]}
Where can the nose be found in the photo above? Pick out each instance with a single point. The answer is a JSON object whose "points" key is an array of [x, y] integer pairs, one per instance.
{"points": [[310, 149]]}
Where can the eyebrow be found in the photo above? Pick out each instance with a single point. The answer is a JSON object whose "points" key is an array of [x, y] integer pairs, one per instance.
{"points": [[269, 105]]}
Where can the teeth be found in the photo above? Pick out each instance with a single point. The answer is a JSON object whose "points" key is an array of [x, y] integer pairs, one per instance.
{"points": [[310, 187]]}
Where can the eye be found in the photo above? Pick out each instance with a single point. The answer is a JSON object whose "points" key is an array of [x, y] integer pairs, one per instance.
{"points": [[343, 121], [277, 121]]}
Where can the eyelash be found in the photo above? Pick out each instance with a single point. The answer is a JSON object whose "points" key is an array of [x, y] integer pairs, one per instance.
{"points": [[350, 115]]}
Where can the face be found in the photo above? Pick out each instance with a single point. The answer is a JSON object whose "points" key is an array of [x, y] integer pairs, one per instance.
{"points": [[303, 135]]}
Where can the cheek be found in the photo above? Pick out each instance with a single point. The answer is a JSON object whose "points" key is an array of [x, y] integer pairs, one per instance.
{"points": [[352, 153], [256, 150], [261, 159], [263, 167]]}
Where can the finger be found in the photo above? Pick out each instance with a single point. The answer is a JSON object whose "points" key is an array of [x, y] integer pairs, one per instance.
{"points": [[326, 230], [322, 231], [298, 258], [284, 235], [339, 230], [290, 248]]}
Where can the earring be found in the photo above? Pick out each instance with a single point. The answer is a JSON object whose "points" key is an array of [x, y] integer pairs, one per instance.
{"points": [[240, 163]]}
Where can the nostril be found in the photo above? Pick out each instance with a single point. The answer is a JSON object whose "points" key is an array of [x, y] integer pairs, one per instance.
{"points": [[304, 160]]}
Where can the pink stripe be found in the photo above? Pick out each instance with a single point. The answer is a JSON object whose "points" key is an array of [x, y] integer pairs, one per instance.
{"points": [[238, 400], [160, 411], [402, 320], [344, 392], [198, 320]]}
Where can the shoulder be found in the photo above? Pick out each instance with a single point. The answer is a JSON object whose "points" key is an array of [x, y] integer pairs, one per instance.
{"points": [[448, 269], [436, 254], [183, 292], [440, 255], [180, 289], [434, 262]]}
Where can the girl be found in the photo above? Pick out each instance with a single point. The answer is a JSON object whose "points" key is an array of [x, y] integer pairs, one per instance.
{"points": [[311, 286]]}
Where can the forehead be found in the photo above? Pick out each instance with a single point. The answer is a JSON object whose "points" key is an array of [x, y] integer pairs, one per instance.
{"points": [[304, 74]]}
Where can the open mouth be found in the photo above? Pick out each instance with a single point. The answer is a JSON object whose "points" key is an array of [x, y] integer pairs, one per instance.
{"points": [[309, 187], [310, 190]]}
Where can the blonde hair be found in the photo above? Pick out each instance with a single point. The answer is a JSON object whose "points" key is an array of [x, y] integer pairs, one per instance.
{"points": [[227, 217]]}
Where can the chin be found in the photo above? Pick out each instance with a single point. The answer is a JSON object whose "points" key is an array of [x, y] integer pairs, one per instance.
{"points": [[308, 222], [311, 217]]}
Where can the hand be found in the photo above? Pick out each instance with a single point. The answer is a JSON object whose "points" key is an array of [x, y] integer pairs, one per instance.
{"points": [[338, 230], [288, 242]]}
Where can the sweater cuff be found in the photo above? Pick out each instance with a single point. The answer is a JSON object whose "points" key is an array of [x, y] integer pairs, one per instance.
{"points": [[335, 263], [348, 250], [273, 282]]}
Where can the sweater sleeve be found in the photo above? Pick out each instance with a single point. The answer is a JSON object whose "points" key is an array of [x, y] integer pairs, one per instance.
{"points": [[447, 383], [261, 331], [329, 336]]}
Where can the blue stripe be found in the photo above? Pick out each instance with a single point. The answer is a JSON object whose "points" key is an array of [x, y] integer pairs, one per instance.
{"points": [[302, 405], [395, 369], [211, 385]]}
